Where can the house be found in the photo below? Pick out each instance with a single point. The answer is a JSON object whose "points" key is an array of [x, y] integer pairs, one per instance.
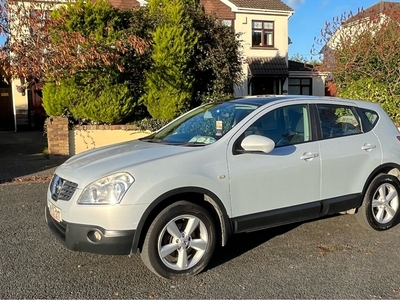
{"points": [[263, 25], [264, 28]]}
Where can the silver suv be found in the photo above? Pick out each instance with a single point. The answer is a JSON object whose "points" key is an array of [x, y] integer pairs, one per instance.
{"points": [[226, 168]]}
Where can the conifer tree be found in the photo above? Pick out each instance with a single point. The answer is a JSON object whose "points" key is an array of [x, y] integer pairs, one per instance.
{"points": [[169, 81]]}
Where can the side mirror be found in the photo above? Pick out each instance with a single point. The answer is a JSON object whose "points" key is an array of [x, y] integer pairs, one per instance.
{"points": [[258, 143]]}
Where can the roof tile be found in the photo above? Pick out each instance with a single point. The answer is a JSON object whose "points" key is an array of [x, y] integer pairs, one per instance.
{"points": [[262, 4]]}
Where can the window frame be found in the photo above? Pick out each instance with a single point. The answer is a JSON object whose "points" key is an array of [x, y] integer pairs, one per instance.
{"points": [[263, 31], [251, 127], [310, 85], [353, 110]]}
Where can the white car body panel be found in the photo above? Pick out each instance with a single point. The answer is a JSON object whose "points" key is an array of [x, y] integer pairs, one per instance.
{"points": [[345, 165], [262, 182]]}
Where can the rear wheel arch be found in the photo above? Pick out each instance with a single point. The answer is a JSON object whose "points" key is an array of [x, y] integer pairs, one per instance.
{"points": [[380, 209], [199, 196], [388, 168]]}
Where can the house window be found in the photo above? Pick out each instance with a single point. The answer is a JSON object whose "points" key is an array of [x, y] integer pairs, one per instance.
{"points": [[262, 33], [300, 86], [227, 23]]}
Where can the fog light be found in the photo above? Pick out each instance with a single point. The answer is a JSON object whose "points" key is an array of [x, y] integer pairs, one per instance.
{"points": [[95, 236]]}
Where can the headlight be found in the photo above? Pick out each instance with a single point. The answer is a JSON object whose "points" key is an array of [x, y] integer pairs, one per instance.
{"points": [[107, 190]]}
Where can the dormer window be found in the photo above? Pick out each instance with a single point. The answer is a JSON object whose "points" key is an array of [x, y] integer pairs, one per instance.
{"points": [[262, 33]]}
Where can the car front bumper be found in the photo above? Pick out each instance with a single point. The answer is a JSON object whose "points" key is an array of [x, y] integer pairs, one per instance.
{"points": [[78, 237]]}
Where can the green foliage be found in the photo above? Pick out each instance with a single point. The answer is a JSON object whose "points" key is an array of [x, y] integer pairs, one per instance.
{"points": [[370, 89], [56, 99], [95, 19], [193, 59], [104, 94], [217, 61], [169, 82], [150, 124], [196, 59], [91, 96]]}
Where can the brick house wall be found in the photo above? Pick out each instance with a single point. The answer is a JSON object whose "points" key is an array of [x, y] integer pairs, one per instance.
{"points": [[124, 4], [218, 8]]}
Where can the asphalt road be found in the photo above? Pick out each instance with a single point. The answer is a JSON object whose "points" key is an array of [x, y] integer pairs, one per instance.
{"points": [[328, 258]]}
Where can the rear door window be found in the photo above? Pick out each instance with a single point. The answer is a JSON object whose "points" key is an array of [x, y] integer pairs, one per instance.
{"points": [[338, 120]]}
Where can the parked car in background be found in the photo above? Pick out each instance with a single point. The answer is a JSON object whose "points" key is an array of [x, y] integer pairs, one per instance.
{"points": [[225, 168]]}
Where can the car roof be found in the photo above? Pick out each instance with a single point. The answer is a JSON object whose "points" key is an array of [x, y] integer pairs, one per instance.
{"points": [[268, 99]]}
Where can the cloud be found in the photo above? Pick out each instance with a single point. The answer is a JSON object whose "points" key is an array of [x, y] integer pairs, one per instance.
{"points": [[324, 3], [294, 3]]}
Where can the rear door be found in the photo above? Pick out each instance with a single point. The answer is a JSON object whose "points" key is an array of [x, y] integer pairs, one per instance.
{"points": [[348, 153]]}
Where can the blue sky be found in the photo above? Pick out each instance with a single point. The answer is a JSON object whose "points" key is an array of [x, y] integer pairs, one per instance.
{"points": [[310, 17]]}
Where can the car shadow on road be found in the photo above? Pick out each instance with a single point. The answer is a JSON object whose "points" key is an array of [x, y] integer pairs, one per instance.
{"points": [[241, 243]]}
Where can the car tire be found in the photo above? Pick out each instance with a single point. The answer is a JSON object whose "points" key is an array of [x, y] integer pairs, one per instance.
{"points": [[180, 241], [381, 204]]}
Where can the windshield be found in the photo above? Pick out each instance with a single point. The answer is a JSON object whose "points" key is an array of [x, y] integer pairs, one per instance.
{"points": [[203, 125]]}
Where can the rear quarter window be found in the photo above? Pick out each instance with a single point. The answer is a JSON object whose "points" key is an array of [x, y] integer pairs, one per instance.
{"points": [[369, 118]]}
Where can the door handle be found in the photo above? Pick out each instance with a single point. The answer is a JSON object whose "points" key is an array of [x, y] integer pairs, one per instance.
{"points": [[368, 147], [309, 156]]}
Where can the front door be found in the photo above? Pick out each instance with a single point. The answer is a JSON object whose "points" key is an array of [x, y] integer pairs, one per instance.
{"points": [[264, 86], [284, 178]]}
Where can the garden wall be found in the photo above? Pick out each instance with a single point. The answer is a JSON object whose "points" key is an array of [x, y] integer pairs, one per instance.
{"points": [[63, 141]]}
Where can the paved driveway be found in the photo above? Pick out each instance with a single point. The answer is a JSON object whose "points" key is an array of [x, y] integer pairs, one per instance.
{"points": [[329, 258], [22, 156]]}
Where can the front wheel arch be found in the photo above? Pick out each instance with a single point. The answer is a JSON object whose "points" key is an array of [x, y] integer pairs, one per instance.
{"points": [[196, 195], [180, 241]]}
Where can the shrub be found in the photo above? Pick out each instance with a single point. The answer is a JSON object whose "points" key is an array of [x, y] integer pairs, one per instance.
{"points": [[372, 90], [90, 96], [169, 82]]}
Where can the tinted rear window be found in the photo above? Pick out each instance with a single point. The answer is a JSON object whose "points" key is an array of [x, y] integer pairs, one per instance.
{"points": [[370, 118]]}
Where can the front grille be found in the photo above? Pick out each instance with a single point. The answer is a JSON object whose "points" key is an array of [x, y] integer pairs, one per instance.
{"points": [[62, 189]]}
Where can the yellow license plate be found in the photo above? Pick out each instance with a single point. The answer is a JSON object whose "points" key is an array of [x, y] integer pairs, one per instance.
{"points": [[55, 212]]}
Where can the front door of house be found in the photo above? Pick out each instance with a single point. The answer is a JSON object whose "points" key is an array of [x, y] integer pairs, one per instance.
{"points": [[6, 109], [264, 86]]}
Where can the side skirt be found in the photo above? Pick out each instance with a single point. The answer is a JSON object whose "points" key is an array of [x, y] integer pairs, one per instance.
{"points": [[294, 214]]}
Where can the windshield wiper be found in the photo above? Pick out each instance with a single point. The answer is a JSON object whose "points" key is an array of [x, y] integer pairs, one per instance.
{"points": [[194, 144], [150, 140]]}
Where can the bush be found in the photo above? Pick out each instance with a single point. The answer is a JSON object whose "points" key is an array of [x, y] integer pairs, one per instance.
{"points": [[370, 89], [90, 96], [169, 82]]}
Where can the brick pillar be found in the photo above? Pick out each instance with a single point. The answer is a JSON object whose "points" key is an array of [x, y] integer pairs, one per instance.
{"points": [[57, 136]]}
